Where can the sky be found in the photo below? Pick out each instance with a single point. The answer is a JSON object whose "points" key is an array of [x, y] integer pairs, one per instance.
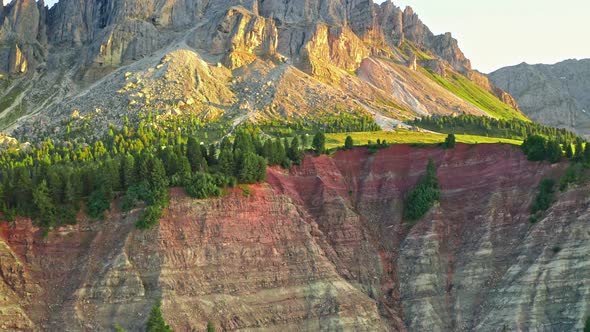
{"points": [[498, 33]]}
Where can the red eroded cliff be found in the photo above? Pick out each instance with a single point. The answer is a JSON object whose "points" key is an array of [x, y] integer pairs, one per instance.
{"points": [[322, 247]]}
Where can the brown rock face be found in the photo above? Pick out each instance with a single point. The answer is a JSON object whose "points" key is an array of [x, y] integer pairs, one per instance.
{"points": [[322, 247]]}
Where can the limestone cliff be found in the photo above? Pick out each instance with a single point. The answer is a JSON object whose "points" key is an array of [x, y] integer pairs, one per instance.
{"points": [[319, 248], [75, 54], [555, 95]]}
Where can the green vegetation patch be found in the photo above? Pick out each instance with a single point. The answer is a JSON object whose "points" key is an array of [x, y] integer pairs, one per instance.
{"points": [[545, 197], [423, 197], [404, 136], [476, 95], [484, 126]]}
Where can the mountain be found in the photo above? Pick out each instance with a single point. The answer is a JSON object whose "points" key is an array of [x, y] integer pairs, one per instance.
{"points": [[321, 247], [230, 62], [554, 95]]}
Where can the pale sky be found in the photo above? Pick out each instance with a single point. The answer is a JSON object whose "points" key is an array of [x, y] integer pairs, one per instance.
{"points": [[498, 33]]}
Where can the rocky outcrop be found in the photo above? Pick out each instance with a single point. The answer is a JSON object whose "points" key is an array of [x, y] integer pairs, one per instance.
{"points": [[242, 36], [322, 247], [484, 82], [78, 43], [554, 95]]}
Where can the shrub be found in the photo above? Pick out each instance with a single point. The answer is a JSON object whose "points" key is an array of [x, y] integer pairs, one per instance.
{"points": [[450, 141], [422, 198], [534, 147], [319, 143], [150, 217], [201, 186], [118, 328], [545, 196], [348, 143], [538, 148], [98, 204]]}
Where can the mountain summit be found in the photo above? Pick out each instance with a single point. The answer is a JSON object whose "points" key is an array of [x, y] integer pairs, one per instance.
{"points": [[556, 95], [232, 62]]}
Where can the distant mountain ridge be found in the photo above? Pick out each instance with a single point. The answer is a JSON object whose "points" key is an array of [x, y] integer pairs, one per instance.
{"points": [[556, 95], [230, 61]]}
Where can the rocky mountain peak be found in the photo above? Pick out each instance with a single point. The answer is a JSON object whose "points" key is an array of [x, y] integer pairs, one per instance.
{"points": [[342, 44]]}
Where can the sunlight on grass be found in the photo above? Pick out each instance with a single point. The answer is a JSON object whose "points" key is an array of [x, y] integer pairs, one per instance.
{"points": [[403, 136]]}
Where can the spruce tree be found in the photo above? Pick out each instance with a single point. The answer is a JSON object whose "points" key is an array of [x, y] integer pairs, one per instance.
{"points": [[319, 143], [44, 206], [554, 152], [294, 151], [450, 141], [156, 322], [348, 143], [194, 155]]}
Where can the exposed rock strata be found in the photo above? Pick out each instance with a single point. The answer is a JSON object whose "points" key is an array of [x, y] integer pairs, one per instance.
{"points": [[322, 247]]}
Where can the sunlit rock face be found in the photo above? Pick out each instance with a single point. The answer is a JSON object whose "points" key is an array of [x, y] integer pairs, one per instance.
{"points": [[255, 61]]}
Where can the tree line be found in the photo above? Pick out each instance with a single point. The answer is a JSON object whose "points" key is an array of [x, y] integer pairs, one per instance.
{"points": [[51, 182], [538, 148], [485, 126]]}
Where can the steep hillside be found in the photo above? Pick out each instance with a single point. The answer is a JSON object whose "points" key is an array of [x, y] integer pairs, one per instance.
{"points": [[230, 61], [554, 95], [321, 247]]}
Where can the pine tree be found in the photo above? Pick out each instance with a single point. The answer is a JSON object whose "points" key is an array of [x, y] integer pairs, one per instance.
{"points": [[348, 143], [304, 142], [127, 171], [44, 206], [158, 183], [450, 141], [248, 171], [212, 155], [319, 143], [554, 152], [294, 151], [226, 162], [156, 322], [194, 155], [422, 198]]}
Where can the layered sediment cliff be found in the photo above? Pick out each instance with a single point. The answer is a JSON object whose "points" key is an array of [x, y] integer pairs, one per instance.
{"points": [[321, 247]]}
